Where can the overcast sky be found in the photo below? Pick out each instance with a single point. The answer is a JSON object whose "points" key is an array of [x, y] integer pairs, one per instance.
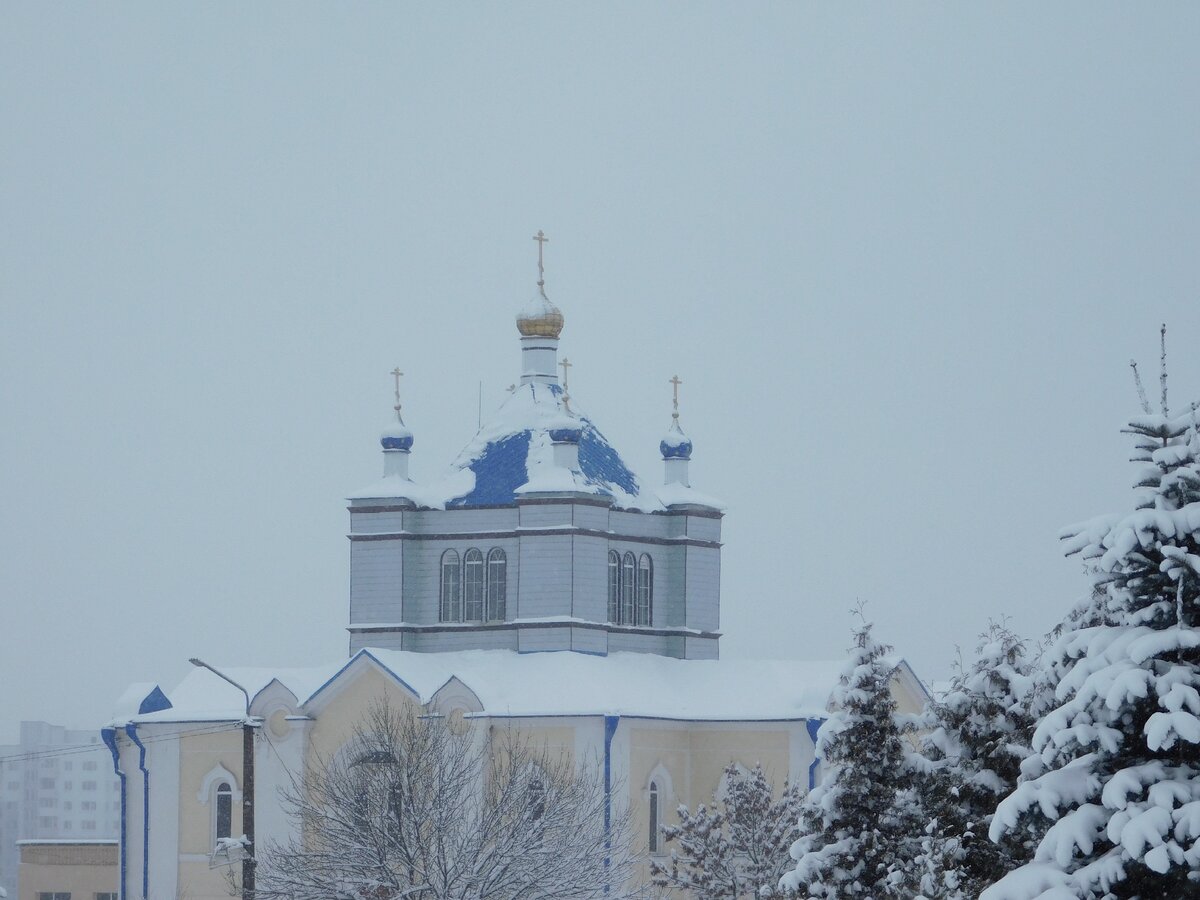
{"points": [[900, 255]]}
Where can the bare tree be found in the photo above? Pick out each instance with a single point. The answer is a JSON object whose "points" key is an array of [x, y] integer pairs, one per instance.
{"points": [[415, 808], [737, 850]]}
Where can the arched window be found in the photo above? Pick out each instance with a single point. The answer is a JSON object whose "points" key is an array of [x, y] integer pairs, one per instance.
{"points": [[628, 582], [473, 586], [378, 791], [451, 605], [645, 590], [223, 812], [654, 824], [614, 586], [497, 585]]}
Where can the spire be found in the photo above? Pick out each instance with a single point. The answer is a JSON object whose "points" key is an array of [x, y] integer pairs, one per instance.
{"points": [[397, 439], [676, 447]]}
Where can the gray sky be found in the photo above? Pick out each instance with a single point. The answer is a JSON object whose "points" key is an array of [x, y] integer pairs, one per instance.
{"points": [[901, 256]]}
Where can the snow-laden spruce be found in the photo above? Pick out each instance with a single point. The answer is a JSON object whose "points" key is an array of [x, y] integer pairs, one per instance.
{"points": [[1116, 770], [737, 846], [861, 826], [976, 736]]}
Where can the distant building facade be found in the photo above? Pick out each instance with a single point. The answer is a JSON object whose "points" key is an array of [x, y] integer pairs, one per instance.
{"points": [[68, 870], [55, 783]]}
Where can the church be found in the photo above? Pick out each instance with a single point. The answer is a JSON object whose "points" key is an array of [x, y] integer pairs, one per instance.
{"points": [[539, 585]]}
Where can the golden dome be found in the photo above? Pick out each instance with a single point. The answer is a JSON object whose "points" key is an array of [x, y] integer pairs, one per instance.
{"points": [[540, 318]]}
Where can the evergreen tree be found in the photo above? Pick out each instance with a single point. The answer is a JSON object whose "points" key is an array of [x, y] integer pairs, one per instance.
{"points": [[976, 736], [861, 825], [738, 846], [1115, 782]]}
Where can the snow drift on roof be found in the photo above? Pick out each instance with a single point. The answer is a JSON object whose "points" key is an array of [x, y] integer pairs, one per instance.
{"points": [[548, 684]]}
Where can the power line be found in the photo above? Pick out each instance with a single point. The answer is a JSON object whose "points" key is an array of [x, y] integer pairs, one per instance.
{"points": [[55, 752]]}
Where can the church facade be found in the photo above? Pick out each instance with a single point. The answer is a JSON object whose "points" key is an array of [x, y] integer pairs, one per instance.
{"points": [[538, 586]]}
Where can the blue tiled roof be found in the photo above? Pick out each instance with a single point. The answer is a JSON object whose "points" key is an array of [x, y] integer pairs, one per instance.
{"points": [[500, 467], [499, 471]]}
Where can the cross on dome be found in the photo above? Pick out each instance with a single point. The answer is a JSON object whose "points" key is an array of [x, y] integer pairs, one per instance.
{"points": [[540, 317], [542, 240], [396, 374], [566, 366]]}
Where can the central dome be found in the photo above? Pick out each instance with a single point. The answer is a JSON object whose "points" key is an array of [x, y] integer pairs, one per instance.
{"points": [[540, 318]]}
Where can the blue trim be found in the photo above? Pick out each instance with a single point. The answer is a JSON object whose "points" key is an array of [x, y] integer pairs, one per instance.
{"points": [[610, 729], [131, 730], [367, 653], [155, 701], [109, 736], [813, 726]]}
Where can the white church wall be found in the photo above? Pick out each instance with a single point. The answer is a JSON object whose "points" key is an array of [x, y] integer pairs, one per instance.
{"points": [[389, 522], [545, 582], [670, 608], [636, 524], [162, 759], [376, 576], [536, 640], [460, 639], [589, 640], [703, 575], [589, 578]]}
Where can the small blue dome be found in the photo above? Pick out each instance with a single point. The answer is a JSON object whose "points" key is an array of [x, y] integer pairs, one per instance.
{"points": [[396, 437], [676, 445], [679, 450], [566, 435]]}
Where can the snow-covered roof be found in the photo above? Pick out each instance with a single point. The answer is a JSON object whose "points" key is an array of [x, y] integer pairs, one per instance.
{"points": [[508, 683], [512, 455]]}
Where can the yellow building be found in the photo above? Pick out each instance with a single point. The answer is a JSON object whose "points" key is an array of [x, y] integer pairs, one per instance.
{"points": [[659, 727], [67, 870]]}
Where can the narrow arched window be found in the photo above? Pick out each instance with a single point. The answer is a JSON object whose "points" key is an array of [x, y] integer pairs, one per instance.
{"points": [[537, 797], [654, 824], [645, 590], [223, 813], [628, 584], [497, 585], [451, 605], [614, 586], [473, 585]]}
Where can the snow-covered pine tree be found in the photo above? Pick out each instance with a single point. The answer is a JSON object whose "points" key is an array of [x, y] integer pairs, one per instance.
{"points": [[1117, 767], [738, 846], [861, 827], [976, 735]]}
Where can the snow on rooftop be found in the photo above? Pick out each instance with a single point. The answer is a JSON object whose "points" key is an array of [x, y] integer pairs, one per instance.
{"points": [[508, 683], [202, 696], [512, 454]]}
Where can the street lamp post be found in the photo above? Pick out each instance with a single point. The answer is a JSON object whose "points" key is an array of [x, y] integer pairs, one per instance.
{"points": [[248, 861]]}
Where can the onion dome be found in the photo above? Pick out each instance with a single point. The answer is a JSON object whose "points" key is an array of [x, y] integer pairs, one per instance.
{"points": [[676, 444], [540, 317], [565, 429], [396, 436]]}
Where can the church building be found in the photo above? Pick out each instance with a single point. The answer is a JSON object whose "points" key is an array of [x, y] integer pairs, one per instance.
{"points": [[538, 585]]}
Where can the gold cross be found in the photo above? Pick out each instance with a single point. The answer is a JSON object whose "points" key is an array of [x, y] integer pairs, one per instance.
{"points": [[566, 364], [675, 383], [396, 373], [542, 240]]}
